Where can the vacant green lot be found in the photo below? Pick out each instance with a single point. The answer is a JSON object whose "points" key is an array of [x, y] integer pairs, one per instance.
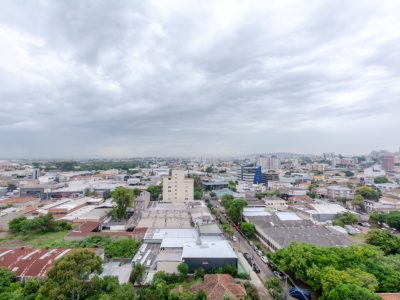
{"points": [[34, 240]]}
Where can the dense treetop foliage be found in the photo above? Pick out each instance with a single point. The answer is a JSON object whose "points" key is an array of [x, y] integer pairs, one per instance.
{"points": [[326, 268], [368, 193], [387, 242], [155, 192], [346, 218], [392, 218], [123, 198], [42, 224], [233, 207]]}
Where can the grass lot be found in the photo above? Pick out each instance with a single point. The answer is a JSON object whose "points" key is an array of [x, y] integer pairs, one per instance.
{"points": [[358, 238], [34, 240]]}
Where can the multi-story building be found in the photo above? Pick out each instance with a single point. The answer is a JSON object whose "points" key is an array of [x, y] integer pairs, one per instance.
{"points": [[142, 202], [388, 163], [336, 192], [246, 173], [177, 188], [268, 162]]}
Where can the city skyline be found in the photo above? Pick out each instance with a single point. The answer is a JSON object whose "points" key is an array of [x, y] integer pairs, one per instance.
{"points": [[102, 79]]}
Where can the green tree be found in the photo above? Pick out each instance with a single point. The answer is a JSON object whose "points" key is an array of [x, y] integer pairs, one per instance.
{"points": [[228, 229], [275, 289], [199, 273], [368, 193], [358, 201], [351, 292], [248, 229], [331, 278], [123, 198], [6, 278], [66, 280], [198, 195], [234, 209], [232, 186], [155, 192], [393, 219], [209, 169], [381, 179], [121, 248], [226, 199], [387, 242], [349, 174], [346, 218], [377, 218], [183, 269], [137, 274]]}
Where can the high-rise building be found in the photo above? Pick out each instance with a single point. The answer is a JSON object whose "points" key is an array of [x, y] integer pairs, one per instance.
{"points": [[35, 174], [388, 163], [177, 188], [268, 162], [246, 173]]}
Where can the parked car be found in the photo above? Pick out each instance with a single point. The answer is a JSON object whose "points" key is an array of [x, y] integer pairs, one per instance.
{"points": [[248, 258], [264, 259], [259, 252], [279, 275], [299, 293], [234, 238], [256, 268]]}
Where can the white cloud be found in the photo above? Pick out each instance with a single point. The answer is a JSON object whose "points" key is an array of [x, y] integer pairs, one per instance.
{"points": [[187, 78]]}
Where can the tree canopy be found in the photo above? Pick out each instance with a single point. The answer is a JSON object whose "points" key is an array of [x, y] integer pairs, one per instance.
{"points": [[392, 218], [323, 268], [381, 179], [346, 218], [248, 229], [69, 274], [387, 242], [234, 209], [368, 193], [42, 224], [351, 291], [155, 192], [123, 198]]}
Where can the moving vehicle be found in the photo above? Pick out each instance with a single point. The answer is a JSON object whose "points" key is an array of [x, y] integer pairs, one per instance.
{"points": [[234, 238], [299, 293]]}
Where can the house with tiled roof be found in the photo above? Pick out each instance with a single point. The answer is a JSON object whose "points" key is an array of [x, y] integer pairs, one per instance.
{"points": [[218, 286]]}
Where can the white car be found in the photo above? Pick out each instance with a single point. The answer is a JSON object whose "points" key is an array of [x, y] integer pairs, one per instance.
{"points": [[259, 252], [234, 238], [264, 259]]}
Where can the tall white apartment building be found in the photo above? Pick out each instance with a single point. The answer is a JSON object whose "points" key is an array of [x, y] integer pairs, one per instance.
{"points": [[177, 188], [268, 162]]}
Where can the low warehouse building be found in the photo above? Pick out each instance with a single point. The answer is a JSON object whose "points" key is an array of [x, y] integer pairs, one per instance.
{"points": [[208, 254]]}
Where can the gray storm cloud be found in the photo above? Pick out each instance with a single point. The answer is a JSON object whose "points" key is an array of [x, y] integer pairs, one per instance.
{"points": [[123, 78]]}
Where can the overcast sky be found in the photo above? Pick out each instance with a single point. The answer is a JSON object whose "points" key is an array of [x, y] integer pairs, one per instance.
{"points": [[141, 78]]}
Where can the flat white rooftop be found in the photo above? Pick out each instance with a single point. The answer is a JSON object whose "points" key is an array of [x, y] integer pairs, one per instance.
{"points": [[255, 212], [329, 208], [288, 216], [212, 249], [161, 233]]}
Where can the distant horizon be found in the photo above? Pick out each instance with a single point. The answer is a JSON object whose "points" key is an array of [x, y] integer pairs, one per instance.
{"points": [[282, 154]]}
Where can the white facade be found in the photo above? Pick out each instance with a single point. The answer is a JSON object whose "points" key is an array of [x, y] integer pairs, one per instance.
{"points": [[177, 188], [268, 162]]}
